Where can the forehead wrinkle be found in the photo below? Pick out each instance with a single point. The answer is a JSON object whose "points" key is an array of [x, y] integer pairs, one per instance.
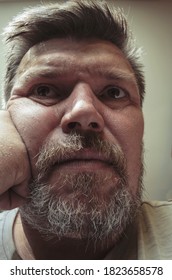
{"points": [[43, 66], [61, 71], [100, 69], [51, 61]]}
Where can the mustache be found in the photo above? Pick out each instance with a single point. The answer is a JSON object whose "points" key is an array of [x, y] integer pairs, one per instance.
{"points": [[54, 153]]}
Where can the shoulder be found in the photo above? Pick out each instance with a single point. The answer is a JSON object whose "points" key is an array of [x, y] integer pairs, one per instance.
{"points": [[157, 205], [155, 230], [7, 217], [157, 214], [7, 247], [160, 210]]}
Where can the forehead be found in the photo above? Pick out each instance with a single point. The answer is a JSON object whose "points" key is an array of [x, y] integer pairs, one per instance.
{"points": [[76, 55]]}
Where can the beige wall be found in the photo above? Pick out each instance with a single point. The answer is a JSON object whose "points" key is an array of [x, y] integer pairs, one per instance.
{"points": [[151, 22]]}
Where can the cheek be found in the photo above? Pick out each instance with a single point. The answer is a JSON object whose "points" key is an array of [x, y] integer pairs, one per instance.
{"points": [[34, 123], [133, 138], [133, 143], [132, 134], [127, 129]]}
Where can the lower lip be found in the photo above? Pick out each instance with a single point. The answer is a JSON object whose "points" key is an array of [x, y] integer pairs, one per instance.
{"points": [[83, 165]]}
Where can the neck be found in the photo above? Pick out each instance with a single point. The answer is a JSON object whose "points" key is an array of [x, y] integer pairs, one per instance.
{"points": [[31, 245]]}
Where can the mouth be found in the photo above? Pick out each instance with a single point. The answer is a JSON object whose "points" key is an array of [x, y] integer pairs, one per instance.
{"points": [[72, 166], [84, 161]]}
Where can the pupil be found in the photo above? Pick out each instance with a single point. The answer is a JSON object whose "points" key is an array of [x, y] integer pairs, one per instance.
{"points": [[114, 92], [43, 91]]}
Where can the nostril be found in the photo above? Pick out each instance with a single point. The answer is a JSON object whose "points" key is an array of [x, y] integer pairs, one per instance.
{"points": [[93, 125], [77, 125], [72, 125]]}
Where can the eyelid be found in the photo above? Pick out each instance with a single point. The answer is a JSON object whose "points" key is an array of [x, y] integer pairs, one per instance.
{"points": [[36, 86], [115, 86]]}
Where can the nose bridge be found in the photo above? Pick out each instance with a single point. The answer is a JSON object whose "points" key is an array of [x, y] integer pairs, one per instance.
{"points": [[83, 110], [83, 97]]}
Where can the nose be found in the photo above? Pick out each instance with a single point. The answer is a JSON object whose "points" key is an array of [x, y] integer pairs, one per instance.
{"points": [[82, 111]]}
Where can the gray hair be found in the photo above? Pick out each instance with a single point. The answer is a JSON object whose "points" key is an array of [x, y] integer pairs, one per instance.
{"points": [[76, 19]]}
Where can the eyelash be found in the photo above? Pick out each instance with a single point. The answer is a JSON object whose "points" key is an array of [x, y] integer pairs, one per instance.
{"points": [[45, 86], [55, 94], [119, 90]]}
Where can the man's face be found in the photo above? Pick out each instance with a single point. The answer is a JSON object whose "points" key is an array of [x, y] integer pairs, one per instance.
{"points": [[77, 107]]}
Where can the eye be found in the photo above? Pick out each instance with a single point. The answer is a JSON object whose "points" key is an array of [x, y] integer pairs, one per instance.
{"points": [[113, 93], [45, 91]]}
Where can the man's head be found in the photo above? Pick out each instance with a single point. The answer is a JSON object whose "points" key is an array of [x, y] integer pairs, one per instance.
{"points": [[76, 96]]}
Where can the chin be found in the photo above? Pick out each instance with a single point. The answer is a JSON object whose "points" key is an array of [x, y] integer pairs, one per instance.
{"points": [[85, 206]]}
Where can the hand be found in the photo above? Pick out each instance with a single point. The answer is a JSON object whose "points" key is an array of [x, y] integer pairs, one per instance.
{"points": [[14, 165]]}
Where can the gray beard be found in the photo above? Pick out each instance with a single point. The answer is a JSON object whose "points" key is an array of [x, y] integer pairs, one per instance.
{"points": [[83, 213]]}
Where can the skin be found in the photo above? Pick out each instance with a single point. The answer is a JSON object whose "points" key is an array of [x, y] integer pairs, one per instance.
{"points": [[79, 74]]}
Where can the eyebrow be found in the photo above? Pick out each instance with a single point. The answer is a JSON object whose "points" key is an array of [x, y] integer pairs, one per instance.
{"points": [[113, 74], [109, 74]]}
